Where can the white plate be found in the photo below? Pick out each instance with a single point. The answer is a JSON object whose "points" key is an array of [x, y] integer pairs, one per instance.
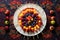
{"points": [[24, 6]]}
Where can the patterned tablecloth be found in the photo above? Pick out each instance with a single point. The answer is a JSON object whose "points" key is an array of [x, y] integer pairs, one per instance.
{"points": [[7, 28]]}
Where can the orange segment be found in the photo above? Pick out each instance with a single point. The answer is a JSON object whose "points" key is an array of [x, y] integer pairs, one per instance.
{"points": [[37, 26]]}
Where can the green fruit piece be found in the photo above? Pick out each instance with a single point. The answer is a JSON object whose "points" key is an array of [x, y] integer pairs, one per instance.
{"points": [[52, 22], [6, 22]]}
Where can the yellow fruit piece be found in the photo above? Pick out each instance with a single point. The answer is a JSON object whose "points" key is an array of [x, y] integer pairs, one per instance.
{"points": [[37, 26], [21, 14], [29, 26], [35, 11], [32, 19], [24, 27], [39, 20], [32, 29], [19, 21]]}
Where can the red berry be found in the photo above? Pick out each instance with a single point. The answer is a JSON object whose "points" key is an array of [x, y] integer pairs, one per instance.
{"points": [[52, 18], [51, 11], [51, 27], [6, 27], [7, 12], [7, 17]]}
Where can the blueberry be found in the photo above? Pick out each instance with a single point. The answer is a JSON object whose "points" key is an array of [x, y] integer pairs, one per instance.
{"points": [[35, 18], [32, 15], [26, 24], [32, 23]]}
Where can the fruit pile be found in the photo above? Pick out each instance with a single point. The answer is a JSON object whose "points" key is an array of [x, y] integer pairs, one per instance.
{"points": [[29, 20]]}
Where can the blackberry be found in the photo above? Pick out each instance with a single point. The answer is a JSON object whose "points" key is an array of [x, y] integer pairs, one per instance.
{"points": [[26, 24], [32, 23]]}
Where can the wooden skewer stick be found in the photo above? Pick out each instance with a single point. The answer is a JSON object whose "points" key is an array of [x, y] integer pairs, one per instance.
{"points": [[24, 38], [33, 38], [27, 38], [38, 36]]}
